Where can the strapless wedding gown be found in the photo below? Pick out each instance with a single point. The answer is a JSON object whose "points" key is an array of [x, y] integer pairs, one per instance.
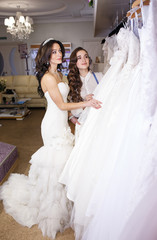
{"points": [[38, 198]]}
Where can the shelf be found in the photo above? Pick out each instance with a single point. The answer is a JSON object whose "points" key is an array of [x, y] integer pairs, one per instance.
{"points": [[14, 113], [98, 67], [67, 46]]}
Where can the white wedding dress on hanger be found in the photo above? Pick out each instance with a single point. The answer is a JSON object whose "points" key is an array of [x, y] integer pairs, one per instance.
{"points": [[109, 48], [38, 198], [100, 136], [127, 208], [144, 215]]}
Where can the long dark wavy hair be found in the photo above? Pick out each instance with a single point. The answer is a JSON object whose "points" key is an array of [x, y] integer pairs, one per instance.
{"points": [[74, 79], [43, 61]]}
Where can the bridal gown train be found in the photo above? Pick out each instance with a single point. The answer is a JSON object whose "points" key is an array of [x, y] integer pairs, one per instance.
{"points": [[38, 198], [98, 143]]}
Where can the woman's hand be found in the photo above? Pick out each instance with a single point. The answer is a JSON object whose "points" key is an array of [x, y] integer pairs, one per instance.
{"points": [[75, 121], [93, 103], [89, 97]]}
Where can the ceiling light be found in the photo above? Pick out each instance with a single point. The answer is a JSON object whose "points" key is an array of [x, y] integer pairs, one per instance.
{"points": [[19, 27]]}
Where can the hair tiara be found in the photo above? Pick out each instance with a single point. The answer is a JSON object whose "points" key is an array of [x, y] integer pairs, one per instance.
{"points": [[46, 41]]}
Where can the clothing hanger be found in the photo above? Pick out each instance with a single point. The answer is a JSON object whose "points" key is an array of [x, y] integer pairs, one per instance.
{"points": [[116, 29], [137, 3], [136, 8], [103, 41], [119, 26], [132, 12]]}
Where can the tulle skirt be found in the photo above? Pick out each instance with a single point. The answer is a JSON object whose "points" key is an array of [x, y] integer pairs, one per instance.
{"points": [[38, 198]]}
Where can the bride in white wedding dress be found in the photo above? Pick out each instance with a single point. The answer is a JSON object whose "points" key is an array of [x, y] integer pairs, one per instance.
{"points": [[38, 198]]}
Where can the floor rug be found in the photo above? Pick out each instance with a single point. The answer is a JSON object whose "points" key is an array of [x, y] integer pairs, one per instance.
{"points": [[8, 157]]}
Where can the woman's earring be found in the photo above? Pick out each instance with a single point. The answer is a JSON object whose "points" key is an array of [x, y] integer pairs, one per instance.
{"points": [[48, 63]]}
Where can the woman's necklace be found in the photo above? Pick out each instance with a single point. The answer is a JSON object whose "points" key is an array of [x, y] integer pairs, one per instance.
{"points": [[53, 72], [57, 73]]}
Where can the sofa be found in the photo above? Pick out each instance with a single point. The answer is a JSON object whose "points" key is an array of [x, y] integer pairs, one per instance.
{"points": [[26, 87]]}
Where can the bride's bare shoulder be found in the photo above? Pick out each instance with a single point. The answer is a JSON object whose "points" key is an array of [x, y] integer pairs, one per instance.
{"points": [[48, 78]]}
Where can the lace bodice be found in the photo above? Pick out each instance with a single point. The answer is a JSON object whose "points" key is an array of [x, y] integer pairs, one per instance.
{"points": [[109, 48], [123, 39], [134, 49], [123, 47]]}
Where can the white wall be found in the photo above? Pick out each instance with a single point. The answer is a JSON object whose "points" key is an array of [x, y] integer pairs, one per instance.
{"points": [[18, 66], [75, 32]]}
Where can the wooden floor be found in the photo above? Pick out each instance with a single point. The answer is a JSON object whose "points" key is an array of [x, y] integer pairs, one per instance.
{"points": [[25, 134]]}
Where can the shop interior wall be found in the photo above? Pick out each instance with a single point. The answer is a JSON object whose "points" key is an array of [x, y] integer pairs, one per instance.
{"points": [[77, 33]]}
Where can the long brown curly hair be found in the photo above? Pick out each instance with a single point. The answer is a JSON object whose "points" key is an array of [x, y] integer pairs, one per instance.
{"points": [[74, 79]]}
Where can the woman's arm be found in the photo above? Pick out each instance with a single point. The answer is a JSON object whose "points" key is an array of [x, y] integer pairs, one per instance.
{"points": [[73, 119], [49, 83]]}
